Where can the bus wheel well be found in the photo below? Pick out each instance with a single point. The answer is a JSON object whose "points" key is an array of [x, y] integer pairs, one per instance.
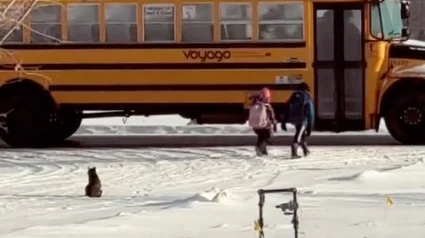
{"points": [[398, 88], [19, 86]]}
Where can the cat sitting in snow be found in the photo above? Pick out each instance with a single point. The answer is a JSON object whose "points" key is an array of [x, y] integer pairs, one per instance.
{"points": [[94, 187]]}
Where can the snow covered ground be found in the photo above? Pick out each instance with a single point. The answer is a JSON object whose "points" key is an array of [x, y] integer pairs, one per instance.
{"points": [[211, 192], [174, 124]]}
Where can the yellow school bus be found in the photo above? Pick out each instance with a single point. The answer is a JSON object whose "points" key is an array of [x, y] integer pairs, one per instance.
{"points": [[202, 59]]}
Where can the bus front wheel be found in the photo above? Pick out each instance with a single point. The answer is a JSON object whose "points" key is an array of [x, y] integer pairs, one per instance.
{"points": [[405, 118]]}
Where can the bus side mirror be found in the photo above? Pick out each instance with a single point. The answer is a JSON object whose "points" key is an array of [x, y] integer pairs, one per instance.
{"points": [[405, 9], [405, 32]]}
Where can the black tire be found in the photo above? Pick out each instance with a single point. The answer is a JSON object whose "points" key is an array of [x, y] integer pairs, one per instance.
{"points": [[28, 122], [67, 123], [405, 118]]}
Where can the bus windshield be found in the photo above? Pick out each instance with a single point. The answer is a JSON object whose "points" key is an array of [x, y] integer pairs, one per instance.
{"points": [[386, 19]]}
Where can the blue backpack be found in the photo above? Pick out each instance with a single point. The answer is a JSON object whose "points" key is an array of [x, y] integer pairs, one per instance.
{"points": [[300, 107]]}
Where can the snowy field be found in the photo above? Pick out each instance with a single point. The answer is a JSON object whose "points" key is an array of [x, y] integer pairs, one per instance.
{"points": [[211, 192]]}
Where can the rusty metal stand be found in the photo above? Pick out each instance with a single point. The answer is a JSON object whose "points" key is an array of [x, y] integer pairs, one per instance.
{"points": [[292, 205]]}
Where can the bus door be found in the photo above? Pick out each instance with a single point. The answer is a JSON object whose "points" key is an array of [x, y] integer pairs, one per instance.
{"points": [[339, 66]]}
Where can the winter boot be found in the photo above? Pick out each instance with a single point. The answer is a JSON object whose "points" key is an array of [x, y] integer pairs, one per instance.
{"points": [[258, 151], [265, 151], [305, 149], [294, 151]]}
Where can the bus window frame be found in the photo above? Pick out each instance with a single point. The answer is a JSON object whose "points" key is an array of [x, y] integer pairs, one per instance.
{"points": [[136, 21], [381, 24], [30, 23], [245, 22], [98, 21], [302, 3], [18, 27], [213, 8], [143, 21]]}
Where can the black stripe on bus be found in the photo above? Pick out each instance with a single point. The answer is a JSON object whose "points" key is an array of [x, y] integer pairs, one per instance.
{"points": [[92, 46], [159, 66], [175, 87]]}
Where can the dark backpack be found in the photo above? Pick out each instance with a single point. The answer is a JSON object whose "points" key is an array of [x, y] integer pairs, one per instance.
{"points": [[297, 104]]}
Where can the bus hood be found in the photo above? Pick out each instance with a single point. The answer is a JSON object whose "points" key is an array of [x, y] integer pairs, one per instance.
{"points": [[407, 59]]}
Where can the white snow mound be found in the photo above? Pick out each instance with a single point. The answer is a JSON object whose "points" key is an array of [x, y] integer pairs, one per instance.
{"points": [[214, 195], [371, 175]]}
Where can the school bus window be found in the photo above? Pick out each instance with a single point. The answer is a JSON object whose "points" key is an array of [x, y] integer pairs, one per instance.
{"points": [[159, 22], [235, 21], [46, 24], [198, 25], [390, 18], [83, 23], [121, 22], [281, 21], [376, 29], [17, 36], [325, 35], [14, 13]]}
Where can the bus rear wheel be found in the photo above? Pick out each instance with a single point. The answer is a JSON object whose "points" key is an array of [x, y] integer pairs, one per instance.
{"points": [[405, 118], [26, 118]]}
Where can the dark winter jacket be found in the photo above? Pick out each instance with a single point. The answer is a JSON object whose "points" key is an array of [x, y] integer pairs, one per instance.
{"points": [[302, 111]]}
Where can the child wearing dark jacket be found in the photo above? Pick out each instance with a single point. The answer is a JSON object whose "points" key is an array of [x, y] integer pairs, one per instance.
{"points": [[264, 134], [300, 113]]}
